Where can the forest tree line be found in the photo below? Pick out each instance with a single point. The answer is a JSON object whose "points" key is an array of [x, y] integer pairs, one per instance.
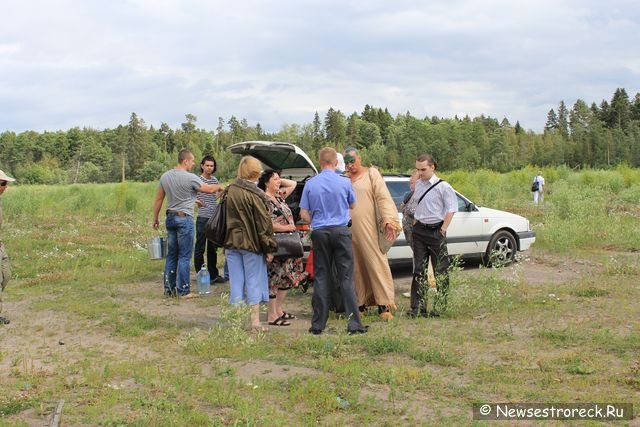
{"points": [[584, 136]]}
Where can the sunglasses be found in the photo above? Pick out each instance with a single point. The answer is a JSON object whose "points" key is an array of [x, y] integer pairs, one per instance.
{"points": [[3, 184]]}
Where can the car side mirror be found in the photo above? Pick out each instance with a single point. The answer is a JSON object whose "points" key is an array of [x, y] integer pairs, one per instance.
{"points": [[471, 207]]}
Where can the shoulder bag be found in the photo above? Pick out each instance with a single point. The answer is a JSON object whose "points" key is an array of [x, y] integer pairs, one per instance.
{"points": [[216, 228], [289, 243], [429, 189], [536, 185]]}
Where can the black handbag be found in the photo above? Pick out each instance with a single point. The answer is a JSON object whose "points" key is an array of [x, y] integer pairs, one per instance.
{"points": [[216, 228], [289, 245]]}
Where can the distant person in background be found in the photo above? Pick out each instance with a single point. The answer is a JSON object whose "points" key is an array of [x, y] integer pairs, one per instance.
{"points": [[181, 187], [249, 243], [372, 274], [408, 207], [284, 273], [207, 206], [538, 195], [5, 266]]}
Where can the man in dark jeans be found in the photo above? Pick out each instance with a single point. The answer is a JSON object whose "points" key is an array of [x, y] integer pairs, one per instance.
{"points": [[207, 205], [433, 214], [325, 204]]}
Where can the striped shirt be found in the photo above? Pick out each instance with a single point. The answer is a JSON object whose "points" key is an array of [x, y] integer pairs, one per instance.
{"points": [[435, 205], [209, 199]]}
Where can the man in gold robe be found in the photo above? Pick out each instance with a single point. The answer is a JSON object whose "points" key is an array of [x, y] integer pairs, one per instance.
{"points": [[374, 209]]}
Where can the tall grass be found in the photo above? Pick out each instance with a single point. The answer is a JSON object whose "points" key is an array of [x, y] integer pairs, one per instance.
{"points": [[590, 209], [79, 200], [79, 233]]}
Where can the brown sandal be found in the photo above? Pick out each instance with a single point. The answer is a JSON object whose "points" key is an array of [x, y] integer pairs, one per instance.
{"points": [[280, 322], [287, 316]]}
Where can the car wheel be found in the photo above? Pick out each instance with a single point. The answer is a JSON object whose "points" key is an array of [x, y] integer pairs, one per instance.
{"points": [[502, 249]]}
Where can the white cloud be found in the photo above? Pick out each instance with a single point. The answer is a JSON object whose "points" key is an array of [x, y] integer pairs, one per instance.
{"points": [[10, 48], [89, 63]]}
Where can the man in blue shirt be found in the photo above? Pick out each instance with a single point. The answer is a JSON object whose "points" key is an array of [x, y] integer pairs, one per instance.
{"points": [[325, 203]]}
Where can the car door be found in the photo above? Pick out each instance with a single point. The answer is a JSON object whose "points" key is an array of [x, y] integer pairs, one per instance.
{"points": [[464, 236], [398, 186]]}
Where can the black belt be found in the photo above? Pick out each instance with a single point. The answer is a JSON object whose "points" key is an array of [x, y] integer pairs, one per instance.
{"points": [[435, 226], [177, 213]]}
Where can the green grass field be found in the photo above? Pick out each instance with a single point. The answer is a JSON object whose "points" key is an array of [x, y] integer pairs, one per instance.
{"points": [[90, 325]]}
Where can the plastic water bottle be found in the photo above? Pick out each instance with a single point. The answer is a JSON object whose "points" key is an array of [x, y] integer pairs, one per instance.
{"points": [[204, 283]]}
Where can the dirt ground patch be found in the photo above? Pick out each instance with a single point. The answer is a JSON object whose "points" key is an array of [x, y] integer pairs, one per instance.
{"points": [[44, 333], [39, 341], [249, 370]]}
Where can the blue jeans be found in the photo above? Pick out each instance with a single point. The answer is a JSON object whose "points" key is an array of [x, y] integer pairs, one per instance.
{"points": [[179, 251], [248, 276]]}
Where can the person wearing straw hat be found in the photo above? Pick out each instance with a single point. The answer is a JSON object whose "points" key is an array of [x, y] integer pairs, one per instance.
{"points": [[5, 267]]}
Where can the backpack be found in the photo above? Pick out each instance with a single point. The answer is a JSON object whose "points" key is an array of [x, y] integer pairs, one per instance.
{"points": [[216, 228], [536, 185]]}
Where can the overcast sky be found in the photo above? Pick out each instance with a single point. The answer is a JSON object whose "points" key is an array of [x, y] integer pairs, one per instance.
{"points": [[67, 63]]}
